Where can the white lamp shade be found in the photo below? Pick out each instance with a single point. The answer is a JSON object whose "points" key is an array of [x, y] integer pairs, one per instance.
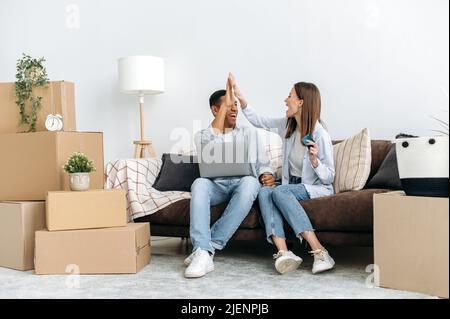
{"points": [[141, 75]]}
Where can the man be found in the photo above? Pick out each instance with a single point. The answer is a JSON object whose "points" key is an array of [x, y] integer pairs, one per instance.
{"points": [[240, 192]]}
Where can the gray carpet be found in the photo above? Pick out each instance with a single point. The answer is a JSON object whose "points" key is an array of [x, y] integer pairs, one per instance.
{"points": [[243, 270]]}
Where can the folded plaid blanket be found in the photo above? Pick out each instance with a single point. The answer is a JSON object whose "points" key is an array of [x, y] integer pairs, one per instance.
{"points": [[136, 177]]}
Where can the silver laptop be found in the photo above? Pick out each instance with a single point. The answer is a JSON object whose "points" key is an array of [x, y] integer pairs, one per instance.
{"points": [[228, 159]]}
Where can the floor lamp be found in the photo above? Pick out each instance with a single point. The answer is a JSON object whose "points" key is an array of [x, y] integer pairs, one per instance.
{"points": [[141, 75]]}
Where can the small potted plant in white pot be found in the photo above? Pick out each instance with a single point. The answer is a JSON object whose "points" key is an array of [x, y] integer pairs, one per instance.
{"points": [[79, 166]]}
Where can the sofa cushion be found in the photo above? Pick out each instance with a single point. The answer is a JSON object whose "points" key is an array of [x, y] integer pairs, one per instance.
{"points": [[380, 149], [352, 159], [177, 214], [274, 150], [177, 173], [350, 211], [387, 175], [343, 212]]}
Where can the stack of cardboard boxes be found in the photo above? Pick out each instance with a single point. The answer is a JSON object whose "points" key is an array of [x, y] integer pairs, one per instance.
{"points": [[44, 225]]}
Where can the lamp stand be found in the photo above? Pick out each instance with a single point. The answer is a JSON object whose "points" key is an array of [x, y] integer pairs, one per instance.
{"points": [[142, 145]]}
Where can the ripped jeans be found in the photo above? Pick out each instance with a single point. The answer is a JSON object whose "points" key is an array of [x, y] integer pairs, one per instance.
{"points": [[281, 203]]}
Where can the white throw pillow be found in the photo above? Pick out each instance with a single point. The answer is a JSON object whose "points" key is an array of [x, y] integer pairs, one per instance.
{"points": [[274, 150], [352, 160]]}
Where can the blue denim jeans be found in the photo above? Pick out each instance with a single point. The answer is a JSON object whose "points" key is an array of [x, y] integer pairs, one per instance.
{"points": [[240, 192], [281, 203]]}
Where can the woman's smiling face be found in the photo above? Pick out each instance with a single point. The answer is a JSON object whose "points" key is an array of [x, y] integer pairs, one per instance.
{"points": [[293, 104]]}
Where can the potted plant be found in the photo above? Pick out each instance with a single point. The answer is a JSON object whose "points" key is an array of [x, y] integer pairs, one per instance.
{"points": [[423, 163], [79, 166]]}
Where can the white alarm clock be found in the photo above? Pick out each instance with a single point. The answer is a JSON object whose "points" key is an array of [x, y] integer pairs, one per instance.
{"points": [[54, 122]]}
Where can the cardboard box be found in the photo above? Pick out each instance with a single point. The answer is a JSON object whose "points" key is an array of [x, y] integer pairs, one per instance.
{"points": [[57, 98], [94, 251], [18, 223], [32, 163], [84, 210], [411, 242]]}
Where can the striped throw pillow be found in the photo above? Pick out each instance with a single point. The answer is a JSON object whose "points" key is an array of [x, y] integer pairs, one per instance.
{"points": [[352, 160]]}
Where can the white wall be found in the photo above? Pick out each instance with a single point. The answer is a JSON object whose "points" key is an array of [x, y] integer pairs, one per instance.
{"points": [[381, 64]]}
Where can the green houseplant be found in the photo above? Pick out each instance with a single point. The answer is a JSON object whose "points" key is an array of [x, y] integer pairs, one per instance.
{"points": [[79, 166], [31, 73]]}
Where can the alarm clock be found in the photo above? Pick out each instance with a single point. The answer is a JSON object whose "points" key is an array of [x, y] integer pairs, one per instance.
{"points": [[54, 122]]}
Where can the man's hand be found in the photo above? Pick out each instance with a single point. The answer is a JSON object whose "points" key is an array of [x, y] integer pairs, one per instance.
{"points": [[267, 179], [218, 124], [237, 91], [229, 98]]}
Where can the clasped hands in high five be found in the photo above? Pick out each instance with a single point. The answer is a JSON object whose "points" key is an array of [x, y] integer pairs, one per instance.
{"points": [[233, 93], [226, 114]]}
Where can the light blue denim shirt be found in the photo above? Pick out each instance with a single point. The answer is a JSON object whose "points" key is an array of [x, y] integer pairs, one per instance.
{"points": [[318, 181], [256, 154]]}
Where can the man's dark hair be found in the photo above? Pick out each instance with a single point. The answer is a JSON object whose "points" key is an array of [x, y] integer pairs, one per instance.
{"points": [[215, 97]]}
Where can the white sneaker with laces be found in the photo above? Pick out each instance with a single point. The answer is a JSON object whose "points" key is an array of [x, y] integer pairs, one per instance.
{"points": [[322, 261], [286, 261], [201, 264]]}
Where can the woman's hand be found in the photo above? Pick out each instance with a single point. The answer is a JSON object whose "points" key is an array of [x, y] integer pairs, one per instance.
{"points": [[267, 180], [313, 150], [237, 91], [229, 94]]}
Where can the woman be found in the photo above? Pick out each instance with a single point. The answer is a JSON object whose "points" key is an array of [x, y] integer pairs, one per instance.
{"points": [[308, 172]]}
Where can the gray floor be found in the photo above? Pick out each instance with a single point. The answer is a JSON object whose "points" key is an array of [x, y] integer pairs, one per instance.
{"points": [[243, 270]]}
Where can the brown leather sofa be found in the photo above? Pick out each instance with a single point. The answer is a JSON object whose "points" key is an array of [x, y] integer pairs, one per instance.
{"points": [[340, 219]]}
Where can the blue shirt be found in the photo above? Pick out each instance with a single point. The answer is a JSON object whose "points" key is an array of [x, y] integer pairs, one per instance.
{"points": [[318, 180]]}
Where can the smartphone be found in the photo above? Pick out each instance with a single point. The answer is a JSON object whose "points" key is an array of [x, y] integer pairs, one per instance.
{"points": [[307, 138]]}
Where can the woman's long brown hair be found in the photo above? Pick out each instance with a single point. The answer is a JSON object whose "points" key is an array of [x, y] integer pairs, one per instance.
{"points": [[310, 95]]}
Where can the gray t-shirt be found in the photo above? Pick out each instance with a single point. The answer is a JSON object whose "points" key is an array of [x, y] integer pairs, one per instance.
{"points": [[296, 156]]}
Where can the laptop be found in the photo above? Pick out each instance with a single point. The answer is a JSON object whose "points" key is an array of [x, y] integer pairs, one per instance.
{"points": [[228, 159]]}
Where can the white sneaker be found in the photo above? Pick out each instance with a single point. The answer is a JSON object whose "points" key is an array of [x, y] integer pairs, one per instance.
{"points": [[200, 265], [286, 261], [187, 261], [322, 261]]}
